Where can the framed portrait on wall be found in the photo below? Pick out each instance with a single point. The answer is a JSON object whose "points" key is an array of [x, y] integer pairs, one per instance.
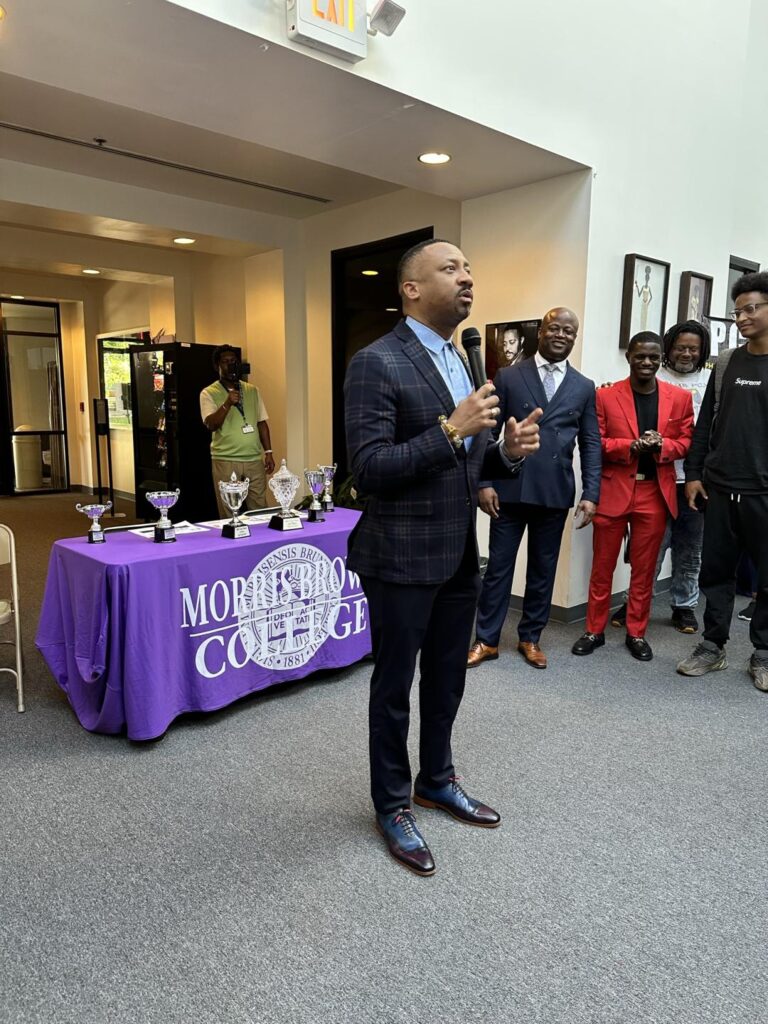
{"points": [[695, 297], [644, 296], [508, 343]]}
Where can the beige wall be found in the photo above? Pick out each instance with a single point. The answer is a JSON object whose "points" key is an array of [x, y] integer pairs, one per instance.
{"points": [[265, 341], [124, 306], [528, 251], [219, 300]]}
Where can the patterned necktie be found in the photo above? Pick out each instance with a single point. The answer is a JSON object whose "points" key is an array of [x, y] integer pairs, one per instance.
{"points": [[549, 380]]}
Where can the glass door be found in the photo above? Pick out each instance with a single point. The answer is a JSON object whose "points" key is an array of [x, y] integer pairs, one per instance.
{"points": [[36, 419]]}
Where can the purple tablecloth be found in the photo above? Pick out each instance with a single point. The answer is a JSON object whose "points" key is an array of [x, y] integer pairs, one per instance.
{"points": [[137, 633]]}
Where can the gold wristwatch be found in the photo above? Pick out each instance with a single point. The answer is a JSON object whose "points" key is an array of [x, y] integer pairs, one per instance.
{"points": [[451, 432]]}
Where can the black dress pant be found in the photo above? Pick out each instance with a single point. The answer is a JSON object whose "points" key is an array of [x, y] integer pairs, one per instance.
{"points": [[406, 619], [734, 523]]}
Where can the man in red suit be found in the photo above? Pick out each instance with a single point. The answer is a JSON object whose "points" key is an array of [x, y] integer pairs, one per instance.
{"points": [[645, 425]]}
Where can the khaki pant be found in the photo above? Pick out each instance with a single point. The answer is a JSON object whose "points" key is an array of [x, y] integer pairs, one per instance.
{"points": [[256, 473]]}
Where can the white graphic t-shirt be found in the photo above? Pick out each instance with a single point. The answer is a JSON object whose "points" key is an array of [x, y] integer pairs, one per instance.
{"points": [[696, 383]]}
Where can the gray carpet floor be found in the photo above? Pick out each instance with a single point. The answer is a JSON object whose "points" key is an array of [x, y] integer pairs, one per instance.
{"points": [[230, 872]]}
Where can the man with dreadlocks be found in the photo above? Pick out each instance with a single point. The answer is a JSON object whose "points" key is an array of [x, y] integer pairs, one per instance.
{"points": [[686, 350]]}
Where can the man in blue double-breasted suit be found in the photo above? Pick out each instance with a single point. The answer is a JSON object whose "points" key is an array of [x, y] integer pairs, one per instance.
{"points": [[539, 497], [419, 438]]}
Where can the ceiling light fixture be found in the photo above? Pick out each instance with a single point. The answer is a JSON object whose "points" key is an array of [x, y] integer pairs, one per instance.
{"points": [[15, 296], [391, 309], [184, 241], [370, 273], [434, 158], [90, 270]]}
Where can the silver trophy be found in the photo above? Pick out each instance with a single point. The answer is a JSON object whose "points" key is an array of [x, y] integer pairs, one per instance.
{"points": [[94, 513], [233, 492], [163, 500], [327, 500], [315, 482], [284, 485]]}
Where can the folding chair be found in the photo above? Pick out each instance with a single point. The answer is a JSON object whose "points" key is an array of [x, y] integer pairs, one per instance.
{"points": [[9, 609]]}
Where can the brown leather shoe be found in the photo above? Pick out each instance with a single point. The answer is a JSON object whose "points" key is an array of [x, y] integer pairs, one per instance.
{"points": [[481, 652], [533, 654]]}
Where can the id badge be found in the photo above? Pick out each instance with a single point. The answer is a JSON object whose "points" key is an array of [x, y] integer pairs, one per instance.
{"points": [[247, 429]]}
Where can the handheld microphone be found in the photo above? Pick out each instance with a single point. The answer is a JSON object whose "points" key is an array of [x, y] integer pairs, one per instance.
{"points": [[470, 339]]}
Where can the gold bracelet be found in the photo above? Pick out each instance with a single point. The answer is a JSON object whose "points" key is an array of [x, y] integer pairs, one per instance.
{"points": [[451, 432]]}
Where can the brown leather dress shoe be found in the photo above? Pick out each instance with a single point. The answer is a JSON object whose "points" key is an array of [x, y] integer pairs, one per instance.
{"points": [[533, 654], [481, 652]]}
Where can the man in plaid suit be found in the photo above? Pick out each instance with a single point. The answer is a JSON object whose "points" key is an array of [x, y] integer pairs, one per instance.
{"points": [[419, 441]]}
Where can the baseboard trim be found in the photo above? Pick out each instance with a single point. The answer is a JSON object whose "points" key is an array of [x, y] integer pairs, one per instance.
{"points": [[579, 612]]}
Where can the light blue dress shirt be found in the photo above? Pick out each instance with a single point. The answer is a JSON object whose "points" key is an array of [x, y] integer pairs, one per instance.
{"points": [[448, 362], [456, 376]]}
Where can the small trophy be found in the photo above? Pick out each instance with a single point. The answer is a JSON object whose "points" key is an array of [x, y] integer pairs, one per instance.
{"points": [[94, 513], [233, 492], [163, 500], [315, 482], [284, 486], [327, 499]]}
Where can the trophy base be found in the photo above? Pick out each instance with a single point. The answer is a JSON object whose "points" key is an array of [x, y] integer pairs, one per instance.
{"points": [[164, 534], [328, 505], [291, 522], [315, 515], [235, 531], [96, 537]]}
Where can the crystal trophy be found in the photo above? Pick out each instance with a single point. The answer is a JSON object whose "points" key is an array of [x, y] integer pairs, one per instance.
{"points": [[284, 485], [327, 499], [315, 482], [163, 500], [94, 513], [233, 492]]}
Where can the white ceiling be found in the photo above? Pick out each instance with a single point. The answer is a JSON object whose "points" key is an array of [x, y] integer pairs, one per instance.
{"points": [[154, 79]]}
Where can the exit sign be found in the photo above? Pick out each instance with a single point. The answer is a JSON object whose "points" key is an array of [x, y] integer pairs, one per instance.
{"points": [[338, 27]]}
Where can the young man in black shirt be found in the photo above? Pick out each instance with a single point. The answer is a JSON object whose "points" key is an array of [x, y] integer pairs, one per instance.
{"points": [[726, 471]]}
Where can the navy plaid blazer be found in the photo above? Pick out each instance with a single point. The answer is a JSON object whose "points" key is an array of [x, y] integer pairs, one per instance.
{"points": [[420, 492]]}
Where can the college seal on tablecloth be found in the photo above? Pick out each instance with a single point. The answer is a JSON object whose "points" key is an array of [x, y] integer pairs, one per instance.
{"points": [[289, 606]]}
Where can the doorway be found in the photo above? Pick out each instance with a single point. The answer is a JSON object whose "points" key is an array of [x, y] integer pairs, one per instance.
{"points": [[34, 455], [365, 305], [115, 387]]}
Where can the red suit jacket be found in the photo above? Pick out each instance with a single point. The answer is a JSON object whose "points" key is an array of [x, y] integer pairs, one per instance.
{"points": [[617, 419]]}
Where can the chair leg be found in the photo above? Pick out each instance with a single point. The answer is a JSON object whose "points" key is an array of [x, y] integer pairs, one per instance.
{"points": [[19, 670]]}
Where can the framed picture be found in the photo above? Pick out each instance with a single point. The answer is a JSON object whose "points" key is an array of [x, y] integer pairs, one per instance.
{"points": [[644, 297], [695, 296], [509, 342]]}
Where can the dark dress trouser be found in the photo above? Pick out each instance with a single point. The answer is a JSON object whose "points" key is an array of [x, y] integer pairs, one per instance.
{"points": [[545, 532], [733, 523], [405, 619]]}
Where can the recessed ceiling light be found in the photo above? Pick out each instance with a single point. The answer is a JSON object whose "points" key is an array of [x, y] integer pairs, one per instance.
{"points": [[90, 270], [370, 273], [16, 296], [391, 309], [184, 241], [434, 158]]}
